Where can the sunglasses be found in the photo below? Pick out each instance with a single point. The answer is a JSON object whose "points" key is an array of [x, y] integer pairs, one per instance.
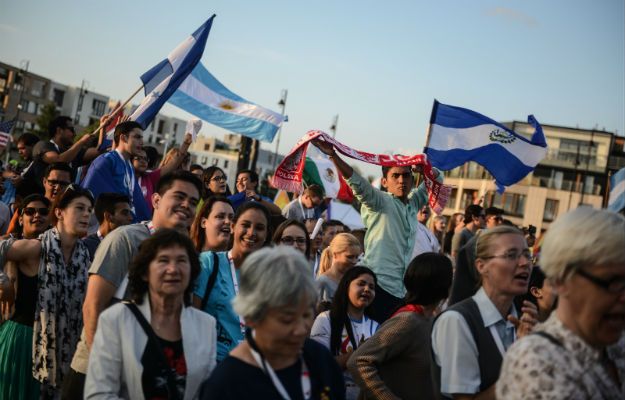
{"points": [[288, 240], [54, 182], [31, 211], [220, 178], [82, 191]]}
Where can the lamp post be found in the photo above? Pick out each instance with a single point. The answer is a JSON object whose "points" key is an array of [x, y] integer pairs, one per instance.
{"points": [[334, 125], [282, 104]]}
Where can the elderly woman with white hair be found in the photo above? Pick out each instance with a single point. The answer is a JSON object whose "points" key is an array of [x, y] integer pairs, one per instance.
{"points": [[579, 352], [276, 360]]}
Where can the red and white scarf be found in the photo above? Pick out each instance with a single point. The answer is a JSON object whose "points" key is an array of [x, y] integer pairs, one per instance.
{"points": [[288, 175]]}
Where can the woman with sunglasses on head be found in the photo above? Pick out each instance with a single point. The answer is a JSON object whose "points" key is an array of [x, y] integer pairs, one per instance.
{"points": [[36, 354], [215, 183], [218, 282], [293, 233], [579, 351], [348, 323], [212, 227]]}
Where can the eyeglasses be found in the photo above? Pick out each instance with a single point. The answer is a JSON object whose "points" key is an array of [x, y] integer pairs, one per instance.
{"points": [[54, 182], [140, 158], [513, 255], [616, 285], [288, 240], [31, 211], [220, 178]]}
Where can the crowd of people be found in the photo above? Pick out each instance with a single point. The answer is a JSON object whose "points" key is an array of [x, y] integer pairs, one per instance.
{"points": [[121, 278]]}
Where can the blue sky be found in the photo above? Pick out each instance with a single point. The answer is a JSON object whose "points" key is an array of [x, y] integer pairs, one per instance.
{"points": [[377, 64]]}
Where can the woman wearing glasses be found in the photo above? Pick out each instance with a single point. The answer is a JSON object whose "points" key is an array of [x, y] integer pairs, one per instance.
{"points": [[471, 337], [293, 233], [32, 222], [50, 297], [579, 352]]}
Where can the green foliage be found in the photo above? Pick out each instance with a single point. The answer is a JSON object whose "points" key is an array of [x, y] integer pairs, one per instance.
{"points": [[48, 113]]}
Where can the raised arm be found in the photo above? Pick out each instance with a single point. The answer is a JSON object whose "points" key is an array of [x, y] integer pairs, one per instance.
{"points": [[68, 155], [328, 149], [178, 158]]}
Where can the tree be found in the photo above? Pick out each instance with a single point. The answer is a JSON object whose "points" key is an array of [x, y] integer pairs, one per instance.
{"points": [[48, 113]]}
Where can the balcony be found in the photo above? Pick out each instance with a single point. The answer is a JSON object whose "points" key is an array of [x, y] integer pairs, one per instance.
{"points": [[567, 159]]}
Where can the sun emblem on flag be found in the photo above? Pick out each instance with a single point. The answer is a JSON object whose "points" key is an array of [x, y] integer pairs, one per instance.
{"points": [[329, 175], [501, 136], [226, 105]]}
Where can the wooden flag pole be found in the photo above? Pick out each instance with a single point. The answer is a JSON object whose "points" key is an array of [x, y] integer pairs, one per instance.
{"points": [[110, 116]]}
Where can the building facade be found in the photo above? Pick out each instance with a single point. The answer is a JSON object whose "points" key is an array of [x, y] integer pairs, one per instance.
{"points": [[574, 172]]}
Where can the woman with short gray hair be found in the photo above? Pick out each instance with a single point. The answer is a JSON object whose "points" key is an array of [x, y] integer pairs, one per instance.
{"points": [[579, 352], [276, 360]]}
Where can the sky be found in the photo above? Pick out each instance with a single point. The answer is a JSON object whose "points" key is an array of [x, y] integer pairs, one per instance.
{"points": [[378, 65]]}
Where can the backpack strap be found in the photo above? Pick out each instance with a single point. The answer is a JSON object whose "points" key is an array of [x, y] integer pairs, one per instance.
{"points": [[156, 344], [211, 280]]}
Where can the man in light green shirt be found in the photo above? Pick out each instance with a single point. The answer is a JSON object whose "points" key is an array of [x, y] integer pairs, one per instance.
{"points": [[391, 221]]}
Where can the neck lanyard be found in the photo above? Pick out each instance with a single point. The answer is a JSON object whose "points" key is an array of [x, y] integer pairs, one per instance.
{"points": [[301, 206], [235, 283], [266, 367], [151, 228], [129, 176], [55, 145]]}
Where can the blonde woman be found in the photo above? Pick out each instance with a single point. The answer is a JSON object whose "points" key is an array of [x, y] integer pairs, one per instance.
{"points": [[341, 255]]}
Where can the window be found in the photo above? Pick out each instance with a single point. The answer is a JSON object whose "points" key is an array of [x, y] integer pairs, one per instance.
{"points": [[207, 147], [204, 160], [3, 84], [57, 96], [175, 128], [452, 198], [216, 161], [551, 210], [511, 203], [225, 163], [149, 139], [161, 127], [24, 105], [152, 126], [37, 87], [98, 107], [32, 107]]}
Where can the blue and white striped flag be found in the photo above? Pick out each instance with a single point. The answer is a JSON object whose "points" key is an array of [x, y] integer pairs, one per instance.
{"points": [[202, 95], [163, 79], [616, 202], [458, 135]]}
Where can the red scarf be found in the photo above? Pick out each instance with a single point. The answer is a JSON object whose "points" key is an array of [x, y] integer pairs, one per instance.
{"points": [[415, 308], [288, 175]]}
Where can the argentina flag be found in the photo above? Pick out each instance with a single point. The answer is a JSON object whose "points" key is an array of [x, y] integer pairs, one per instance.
{"points": [[202, 95], [616, 202], [458, 135], [164, 78]]}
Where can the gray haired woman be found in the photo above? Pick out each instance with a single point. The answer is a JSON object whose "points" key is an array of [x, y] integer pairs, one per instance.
{"points": [[276, 360], [579, 352]]}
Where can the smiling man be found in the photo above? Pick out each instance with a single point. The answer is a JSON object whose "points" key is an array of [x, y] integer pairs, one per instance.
{"points": [[175, 200], [391, 221]]}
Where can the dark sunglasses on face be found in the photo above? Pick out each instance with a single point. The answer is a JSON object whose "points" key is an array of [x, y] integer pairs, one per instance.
{"points": [[31, 211], [220, 178], [54, 182]]}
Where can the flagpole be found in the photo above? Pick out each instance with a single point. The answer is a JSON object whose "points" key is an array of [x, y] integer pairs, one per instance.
{"points": [[110, 116]]}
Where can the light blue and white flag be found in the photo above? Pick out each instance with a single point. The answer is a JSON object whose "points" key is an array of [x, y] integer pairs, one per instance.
{"points": [[162, 80], [202, 95], [458, 135], [616, 202]]}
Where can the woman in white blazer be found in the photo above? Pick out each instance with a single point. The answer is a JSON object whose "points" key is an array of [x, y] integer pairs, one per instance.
{"points": [[156, 345]]}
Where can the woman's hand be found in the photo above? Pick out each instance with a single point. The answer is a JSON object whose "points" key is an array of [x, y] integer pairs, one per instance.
{"points": [[529, 319]]}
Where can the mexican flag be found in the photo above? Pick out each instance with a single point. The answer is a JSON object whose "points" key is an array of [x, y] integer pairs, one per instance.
{"points": [[321, 171]]}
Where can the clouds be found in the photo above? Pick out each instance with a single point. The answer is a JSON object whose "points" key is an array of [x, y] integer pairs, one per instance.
{"points": [[6, 28], [511, 15]]}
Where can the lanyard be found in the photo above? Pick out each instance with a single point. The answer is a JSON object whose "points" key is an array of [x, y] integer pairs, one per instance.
{"points": [[235, 283], [304, 212], [260, 360], [151, 228], [129, 176]]}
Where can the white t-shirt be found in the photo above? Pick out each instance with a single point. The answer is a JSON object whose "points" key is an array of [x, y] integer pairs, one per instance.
{"points": [[362, 329], [425, 242]]}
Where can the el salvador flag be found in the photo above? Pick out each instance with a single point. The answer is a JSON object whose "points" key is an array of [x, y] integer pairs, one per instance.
{"points": [[616, 202], [202, 95], [458, 135], [163, 79]]}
